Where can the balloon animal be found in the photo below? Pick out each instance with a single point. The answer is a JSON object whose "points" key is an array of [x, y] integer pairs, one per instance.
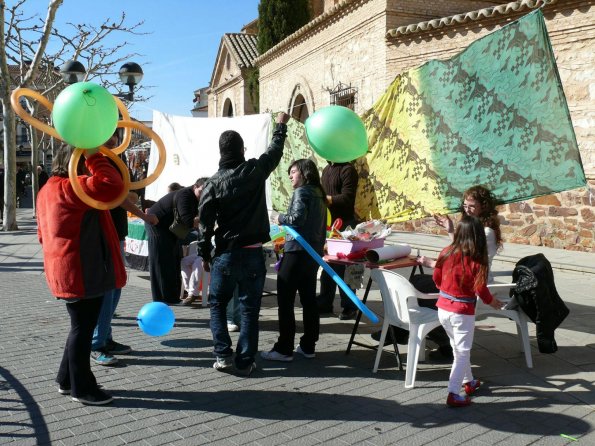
{"points": [[85, 115]]}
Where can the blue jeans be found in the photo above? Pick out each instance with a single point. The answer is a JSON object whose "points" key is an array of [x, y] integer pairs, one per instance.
{"points": [[244, 268], [103, 330], [234, 315]]}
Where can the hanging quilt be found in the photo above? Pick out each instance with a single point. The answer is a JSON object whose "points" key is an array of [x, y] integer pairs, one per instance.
{"points": [[494, 115], [296, 147]]}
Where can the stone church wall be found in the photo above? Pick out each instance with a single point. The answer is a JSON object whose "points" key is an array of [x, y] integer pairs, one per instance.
{"points": [[565, 220]]}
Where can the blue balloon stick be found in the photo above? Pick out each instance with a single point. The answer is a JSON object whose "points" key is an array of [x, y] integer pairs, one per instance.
{"points": [[360, 305]]}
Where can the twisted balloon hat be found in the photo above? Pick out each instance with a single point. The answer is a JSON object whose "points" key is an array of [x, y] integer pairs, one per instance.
{"points": [[92, 99]]}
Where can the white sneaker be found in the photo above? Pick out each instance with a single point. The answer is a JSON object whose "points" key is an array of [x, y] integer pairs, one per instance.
{"points": [[232, 327], [223, 364], [276, 356], [304, 354]]}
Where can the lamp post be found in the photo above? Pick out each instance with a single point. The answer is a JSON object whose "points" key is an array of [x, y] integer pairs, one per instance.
{"points": [[130, 74]]}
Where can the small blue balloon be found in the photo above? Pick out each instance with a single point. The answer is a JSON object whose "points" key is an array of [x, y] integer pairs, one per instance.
{"points": [[156, 319]]}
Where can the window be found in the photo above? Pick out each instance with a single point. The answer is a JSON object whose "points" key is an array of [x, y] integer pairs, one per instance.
{"points": [[227, 109], [344, 95], [300, 110]]}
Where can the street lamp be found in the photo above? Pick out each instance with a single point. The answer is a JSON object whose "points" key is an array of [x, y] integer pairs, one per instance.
{"points": [[130, 74], [72, 72]]}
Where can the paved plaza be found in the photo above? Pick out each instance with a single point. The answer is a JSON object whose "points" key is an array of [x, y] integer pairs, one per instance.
{"points": [[166, 391]]}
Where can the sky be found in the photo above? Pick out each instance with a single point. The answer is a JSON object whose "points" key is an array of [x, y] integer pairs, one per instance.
{"points": [[178, 55]]}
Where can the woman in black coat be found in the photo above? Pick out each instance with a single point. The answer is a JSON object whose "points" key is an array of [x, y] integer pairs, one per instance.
{"points": [[165, 251], [297, 272]]}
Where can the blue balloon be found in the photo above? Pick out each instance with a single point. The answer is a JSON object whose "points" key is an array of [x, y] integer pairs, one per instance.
{"points": [[156, 319], [358, 303]]}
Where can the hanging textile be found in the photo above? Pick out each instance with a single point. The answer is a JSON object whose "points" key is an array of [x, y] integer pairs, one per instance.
{"points": [[494, 115], [296, 147]]}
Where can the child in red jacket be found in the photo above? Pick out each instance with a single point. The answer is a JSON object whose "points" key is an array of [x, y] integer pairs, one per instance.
{"points": [[461, 274]]}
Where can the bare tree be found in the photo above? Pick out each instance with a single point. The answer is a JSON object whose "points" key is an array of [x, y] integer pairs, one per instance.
{"points": [[25, 61]]}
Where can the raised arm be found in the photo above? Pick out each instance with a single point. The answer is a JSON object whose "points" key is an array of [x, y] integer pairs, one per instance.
{"points": [[270, 159]]}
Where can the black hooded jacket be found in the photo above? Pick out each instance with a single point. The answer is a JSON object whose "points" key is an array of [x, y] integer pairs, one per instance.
{"points": [[536, 294], [234, 200]]}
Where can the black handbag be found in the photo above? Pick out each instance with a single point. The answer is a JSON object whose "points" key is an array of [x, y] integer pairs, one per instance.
{"points": [[178, 228]]}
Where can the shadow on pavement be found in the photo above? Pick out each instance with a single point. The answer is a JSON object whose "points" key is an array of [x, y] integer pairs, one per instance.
{"points": [[21, 400], [519, 416]]}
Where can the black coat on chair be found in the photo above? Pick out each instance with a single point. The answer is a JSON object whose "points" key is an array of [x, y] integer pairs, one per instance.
{"points": [[536, 294]]}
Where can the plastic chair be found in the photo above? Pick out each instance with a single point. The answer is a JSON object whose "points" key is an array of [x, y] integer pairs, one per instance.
{"points": [[500, 290], [399, 298], [192, 248]]}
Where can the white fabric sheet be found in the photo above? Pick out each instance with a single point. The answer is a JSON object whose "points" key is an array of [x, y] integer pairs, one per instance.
{"points": [[192, 146]]}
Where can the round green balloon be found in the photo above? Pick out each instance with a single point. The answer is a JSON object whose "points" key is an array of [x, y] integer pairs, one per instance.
{"points": [[85, 115], [337, 134]]}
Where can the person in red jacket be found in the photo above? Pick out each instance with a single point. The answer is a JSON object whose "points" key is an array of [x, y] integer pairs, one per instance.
{"points": [[461, 274], [81, 254]]}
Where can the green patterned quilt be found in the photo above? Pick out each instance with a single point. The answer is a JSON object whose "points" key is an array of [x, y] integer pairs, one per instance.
{"points": [[494, 115]]}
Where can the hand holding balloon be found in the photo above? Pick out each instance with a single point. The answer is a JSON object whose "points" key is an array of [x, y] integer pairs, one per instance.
{"points": [[86, 116]]}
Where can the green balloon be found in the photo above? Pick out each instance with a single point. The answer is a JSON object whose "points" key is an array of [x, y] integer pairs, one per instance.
{"points": [[85, 115], [337, 134]]}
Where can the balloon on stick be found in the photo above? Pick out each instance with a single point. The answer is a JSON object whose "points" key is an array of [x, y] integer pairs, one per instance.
{"points": [[85, 115], [337, 134], [156, 319]]}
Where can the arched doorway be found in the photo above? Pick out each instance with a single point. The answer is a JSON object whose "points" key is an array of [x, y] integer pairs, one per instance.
{"points": [[227, 108], [299, 110]]}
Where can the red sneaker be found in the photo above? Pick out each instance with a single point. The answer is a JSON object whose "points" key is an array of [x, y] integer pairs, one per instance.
{"points": [[455, 400], [472, 386]]}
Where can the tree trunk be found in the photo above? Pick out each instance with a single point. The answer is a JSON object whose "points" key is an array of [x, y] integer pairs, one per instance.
{"points": [[10, 167], [34, 163]]}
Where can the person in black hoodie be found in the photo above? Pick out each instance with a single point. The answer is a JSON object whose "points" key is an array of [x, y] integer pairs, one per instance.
{"points": [[234, 200]]}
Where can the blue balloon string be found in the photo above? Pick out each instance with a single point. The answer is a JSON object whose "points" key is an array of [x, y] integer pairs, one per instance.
{"points": [[360, 305]]}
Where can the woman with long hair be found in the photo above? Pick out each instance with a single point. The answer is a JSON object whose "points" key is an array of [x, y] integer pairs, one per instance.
{"points": [[461, 274], [297, 272], [478, 202]]}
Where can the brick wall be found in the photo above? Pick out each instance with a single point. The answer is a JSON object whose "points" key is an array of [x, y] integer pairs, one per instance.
{"points": [[351, 47], [565, 220]]}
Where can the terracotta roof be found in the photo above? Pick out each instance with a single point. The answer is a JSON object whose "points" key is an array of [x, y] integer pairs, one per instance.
{"points": [[45, 78], [505, 9], [243, 48]]}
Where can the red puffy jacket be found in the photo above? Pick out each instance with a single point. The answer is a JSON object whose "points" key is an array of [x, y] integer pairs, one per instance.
{"points": [[81, 250]]}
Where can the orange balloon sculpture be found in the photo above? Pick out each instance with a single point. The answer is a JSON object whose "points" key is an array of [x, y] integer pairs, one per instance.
{"points": [[125, 123]]}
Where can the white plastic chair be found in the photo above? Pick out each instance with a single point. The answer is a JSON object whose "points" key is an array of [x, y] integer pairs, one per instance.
{"points": [[401, 309], [192, 248], [500, 290]]}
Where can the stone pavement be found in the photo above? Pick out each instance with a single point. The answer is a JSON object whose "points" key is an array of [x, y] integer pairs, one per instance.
{"points": [[168, 393]]}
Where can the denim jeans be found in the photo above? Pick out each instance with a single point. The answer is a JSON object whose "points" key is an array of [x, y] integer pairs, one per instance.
{"points": [[103, 330], [234, 315], [245, 268]]}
